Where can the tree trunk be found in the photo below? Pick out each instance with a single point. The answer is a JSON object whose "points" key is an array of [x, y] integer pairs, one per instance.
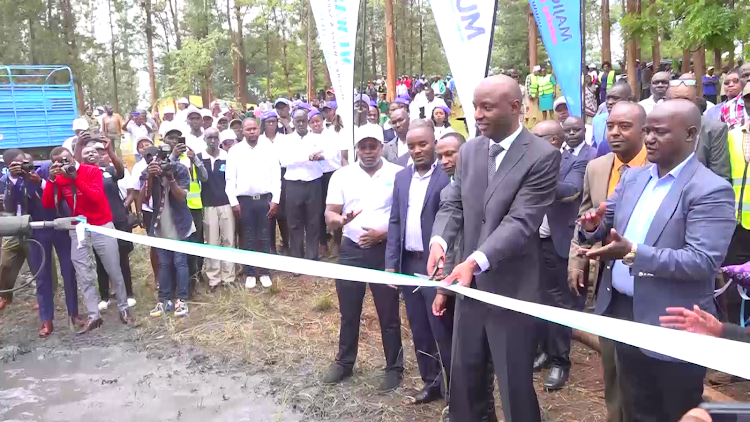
{"points": [[390, 45], [411, 38], [606, 48], [730, 58], [328, 75], [421, 40], [373, 53], [685, 61], [115, 103], [403, 34], [150, 47], [717, 61], [234, 53], [531, 24], [310, 78], [268, 62], [632, 54], [655, 53], [69, 27], [285, 58], [699, 68], [32, 41], [241, 62], [175, 21]]}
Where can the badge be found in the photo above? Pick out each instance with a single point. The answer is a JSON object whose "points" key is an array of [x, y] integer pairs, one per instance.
{"points": [[223, 167]]}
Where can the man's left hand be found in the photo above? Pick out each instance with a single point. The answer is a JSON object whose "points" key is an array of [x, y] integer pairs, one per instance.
{"points": [[617, 248], [35, 178], [190, 154], [371, 237], [462, 273], [273, 208]]}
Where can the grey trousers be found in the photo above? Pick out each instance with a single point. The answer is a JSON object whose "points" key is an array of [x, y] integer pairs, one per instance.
{"points": [[83, 261]]}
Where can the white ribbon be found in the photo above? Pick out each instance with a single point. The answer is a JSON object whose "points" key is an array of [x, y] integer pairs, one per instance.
{"points": [[716, 353]]}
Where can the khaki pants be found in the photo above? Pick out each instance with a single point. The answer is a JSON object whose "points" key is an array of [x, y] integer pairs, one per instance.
{"points": [[218, 230], [14, 254]]}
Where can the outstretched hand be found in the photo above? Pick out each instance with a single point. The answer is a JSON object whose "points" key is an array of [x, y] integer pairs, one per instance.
{"points": [[617, 248], [591, 220]]}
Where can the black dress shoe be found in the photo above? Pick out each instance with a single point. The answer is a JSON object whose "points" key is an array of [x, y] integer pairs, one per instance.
{"points": [[540, 362], [336, 374], [556, 378], [391, 381], [427, 395], [91, 325]]}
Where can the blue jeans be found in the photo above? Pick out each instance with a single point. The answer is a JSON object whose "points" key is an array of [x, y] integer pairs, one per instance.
{"points": [[168, 262]]}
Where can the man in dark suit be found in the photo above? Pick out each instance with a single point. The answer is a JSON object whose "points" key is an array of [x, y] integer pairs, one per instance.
{"points": [[669, 225], [712, 148], [416, 200], [575, 135], [555, 234], [504, 184], [396, 150]]}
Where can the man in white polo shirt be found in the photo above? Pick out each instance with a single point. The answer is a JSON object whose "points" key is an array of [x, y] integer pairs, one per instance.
{"points": [[359, 200]]}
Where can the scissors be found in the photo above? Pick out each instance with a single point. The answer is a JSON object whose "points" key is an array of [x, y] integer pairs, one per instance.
{"points": [[432, 276]]}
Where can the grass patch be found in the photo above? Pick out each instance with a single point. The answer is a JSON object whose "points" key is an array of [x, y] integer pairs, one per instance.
{"points": [[323, 303]]}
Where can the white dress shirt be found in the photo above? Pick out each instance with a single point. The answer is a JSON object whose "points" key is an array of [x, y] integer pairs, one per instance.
{"points": [[479, 257], [294, 154], [417, 193], [648, 104], [331, 150], [576, 150], [252, 171], [135, 182], [353, 188], [401, 147], [195, 143]]}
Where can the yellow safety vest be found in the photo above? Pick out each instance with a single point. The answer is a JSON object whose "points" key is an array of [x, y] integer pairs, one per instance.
{"points": [[610, 78], [533, 86], [194, 189], [545, 85], [740, 177]]}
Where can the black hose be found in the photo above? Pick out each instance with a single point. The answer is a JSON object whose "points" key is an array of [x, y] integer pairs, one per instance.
{"points": [[24, 285]]}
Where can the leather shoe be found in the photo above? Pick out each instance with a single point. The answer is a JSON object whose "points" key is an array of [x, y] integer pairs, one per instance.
{"points": [[3, 303], [336, 374], [556, 378], [427, 395], [391, 381], [540, 362], [91, 325], [46, 329], [77, 321], [125, 317]]}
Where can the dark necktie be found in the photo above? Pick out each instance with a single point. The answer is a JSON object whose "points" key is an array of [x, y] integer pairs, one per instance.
{"points": [[623, 169], [571, 150], [495, 150]]}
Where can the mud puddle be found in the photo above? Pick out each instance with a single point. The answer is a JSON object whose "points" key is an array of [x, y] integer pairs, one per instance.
{"points": [[112, 384]]}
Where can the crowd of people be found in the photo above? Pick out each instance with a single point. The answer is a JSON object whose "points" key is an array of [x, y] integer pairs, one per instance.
{"points": [[640, 210]]}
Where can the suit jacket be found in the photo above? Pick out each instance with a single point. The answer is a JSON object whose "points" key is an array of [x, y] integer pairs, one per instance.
{"points": [[390, 151], [403, 160], [685, 244], [397, 225], [562, 214], [501, 218], [588, 152], [713, 147]]}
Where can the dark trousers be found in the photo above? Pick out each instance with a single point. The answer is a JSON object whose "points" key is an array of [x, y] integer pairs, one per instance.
{"points": [[125, 248], [255, 236], [432, 335], [351, 295], [303, 209], [44, 289], [654, 390], [281, 218], [554, 339], [483, 333], [323, 234], [195, 263]]}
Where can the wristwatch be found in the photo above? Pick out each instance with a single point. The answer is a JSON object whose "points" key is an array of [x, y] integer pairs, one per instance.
{"points": [[629, 258]]}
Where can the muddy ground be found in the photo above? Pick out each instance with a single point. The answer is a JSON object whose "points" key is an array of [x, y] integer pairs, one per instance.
{"points": [[239, 356]]}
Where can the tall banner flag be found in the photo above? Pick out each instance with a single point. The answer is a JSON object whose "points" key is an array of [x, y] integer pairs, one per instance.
{"points": [[466, 28], [559, 22], [337, 33]]}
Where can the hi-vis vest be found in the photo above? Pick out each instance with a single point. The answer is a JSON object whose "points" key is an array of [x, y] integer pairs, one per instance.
{"points": [[545, 85], [610, 78], [740, 178], [194, 189], [533, 86]]}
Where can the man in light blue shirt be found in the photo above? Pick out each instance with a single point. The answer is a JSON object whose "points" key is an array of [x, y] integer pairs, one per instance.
{"points": [[619, 92]]}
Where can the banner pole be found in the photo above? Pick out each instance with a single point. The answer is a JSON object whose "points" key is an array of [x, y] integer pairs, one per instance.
{"points": [[492, 37], [583, 59]]}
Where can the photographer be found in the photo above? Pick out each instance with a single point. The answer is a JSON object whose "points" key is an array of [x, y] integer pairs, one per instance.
{"points": [[167, 183], [104, 156], [23, 193], [143, 211], [81, 186]]}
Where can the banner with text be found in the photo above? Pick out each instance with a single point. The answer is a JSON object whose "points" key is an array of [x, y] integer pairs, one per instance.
{"points": [[559, 23], [336, 21], [465, 28]]}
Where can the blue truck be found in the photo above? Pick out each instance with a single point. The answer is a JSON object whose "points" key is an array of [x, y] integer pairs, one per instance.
{"points": [[37, 107]]}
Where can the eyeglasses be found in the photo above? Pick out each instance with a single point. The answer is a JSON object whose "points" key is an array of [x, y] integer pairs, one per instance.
{"points": [[678, 82], [731, 81]]}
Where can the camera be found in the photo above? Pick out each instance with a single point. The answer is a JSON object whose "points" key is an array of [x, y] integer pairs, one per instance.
{"points": [[67, 166], [161, 155], [27, 167]]}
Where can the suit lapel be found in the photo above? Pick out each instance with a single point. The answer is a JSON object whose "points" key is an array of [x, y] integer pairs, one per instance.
{"points": [[628, 201], [515, 152], [565, 163], [668, 205], [600, 179], [404, 200], [434, 177]]}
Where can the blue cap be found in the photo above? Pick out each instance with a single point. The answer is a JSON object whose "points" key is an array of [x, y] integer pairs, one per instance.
{"points": [[373, 103], [303, 105], [314, 112], [268, 114], [362, 97], [445, 109], [281, 100], [331, 104], [402, 100]]}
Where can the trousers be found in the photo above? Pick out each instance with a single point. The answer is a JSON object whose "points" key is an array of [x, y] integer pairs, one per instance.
{"points": [[255, 229], [351, 295], [14, 254], [195, 263], [218, 228], [303, 214], [46, 277], [83, 262], [124, 248]]}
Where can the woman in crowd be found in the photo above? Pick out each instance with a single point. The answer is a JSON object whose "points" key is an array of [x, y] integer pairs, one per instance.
{"points": [[441, 118], [373, 113], [268, 133]]}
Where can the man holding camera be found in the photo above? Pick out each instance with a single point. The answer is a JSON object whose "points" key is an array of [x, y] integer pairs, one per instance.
{"points": [[81, 186], [167, 182]]}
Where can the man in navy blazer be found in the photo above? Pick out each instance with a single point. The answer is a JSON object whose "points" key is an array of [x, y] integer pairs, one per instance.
{"points": [[575, 138], [416, 201], [555, 233], [669, 226]]}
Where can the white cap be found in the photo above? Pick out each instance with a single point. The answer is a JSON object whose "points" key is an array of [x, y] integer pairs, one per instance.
{"points": [[192, 109], [167, 110], [592, 66], [206, 113], [369, 131], [226, 135], [183, 100], [537, 68], [559, 101], [80, 124], [99, 145]]}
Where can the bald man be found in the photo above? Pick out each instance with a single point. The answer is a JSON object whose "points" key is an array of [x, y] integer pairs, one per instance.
{"points": [[505, 182], [619, 92], [713, 144], [669, 224], [416, 200], [555, 234]]}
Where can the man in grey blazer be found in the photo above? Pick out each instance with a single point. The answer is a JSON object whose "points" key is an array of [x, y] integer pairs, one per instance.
{"points": [[504, 183], [669, 225]]}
